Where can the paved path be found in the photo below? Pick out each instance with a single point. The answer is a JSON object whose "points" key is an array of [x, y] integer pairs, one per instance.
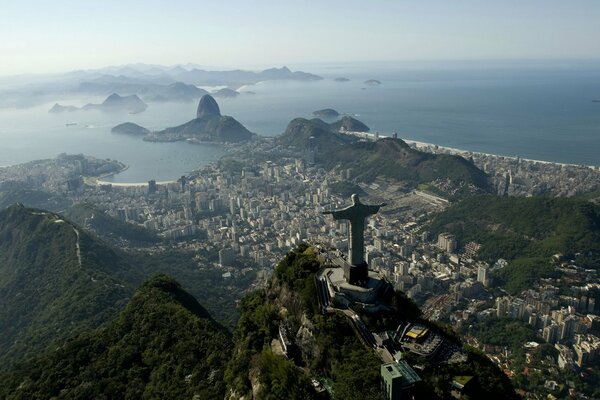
{"points": [[77, 247]]}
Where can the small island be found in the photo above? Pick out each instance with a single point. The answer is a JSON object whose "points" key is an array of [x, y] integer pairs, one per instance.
{"points": [[341, 79], [372, 82], [326, 113], [225, 92], [129, 128]]}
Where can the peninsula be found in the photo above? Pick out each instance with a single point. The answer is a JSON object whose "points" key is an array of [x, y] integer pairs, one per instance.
{"points": [[113, 103], [208, 126]]}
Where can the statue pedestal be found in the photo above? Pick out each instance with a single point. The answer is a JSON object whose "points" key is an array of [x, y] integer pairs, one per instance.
{"points": [[356, 274], [369, 292]]}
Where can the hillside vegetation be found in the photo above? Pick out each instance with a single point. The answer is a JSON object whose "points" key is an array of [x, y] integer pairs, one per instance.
{"points": [[162, 345], [55, 280], [525, 231], [388, 158]]}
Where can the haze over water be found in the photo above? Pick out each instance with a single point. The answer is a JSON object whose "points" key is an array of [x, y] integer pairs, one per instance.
{"points": [[539, 113]]}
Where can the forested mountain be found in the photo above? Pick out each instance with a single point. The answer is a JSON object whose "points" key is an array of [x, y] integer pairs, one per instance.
{"points": [[387, 157], [515, 227], [525, 231], [55, 280], [162, 345]]}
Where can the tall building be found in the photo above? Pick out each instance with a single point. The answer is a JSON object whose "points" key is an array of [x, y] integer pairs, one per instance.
{"points": [[397, 380], [446, 242], [567, 328], [402, 268], [482, 275], [551, 333], [151, 186], [502, 304], [587, 350], [405, 250], [516, 309]]}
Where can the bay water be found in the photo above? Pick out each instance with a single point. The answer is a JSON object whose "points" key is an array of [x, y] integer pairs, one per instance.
{"points": [[544, 113]]}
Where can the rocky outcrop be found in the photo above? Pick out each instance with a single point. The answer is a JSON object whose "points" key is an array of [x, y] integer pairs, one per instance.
{"points": [[208, 107], [208, 126]]}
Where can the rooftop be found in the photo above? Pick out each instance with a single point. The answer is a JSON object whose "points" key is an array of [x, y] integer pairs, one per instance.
{"points": [[401, 370]]}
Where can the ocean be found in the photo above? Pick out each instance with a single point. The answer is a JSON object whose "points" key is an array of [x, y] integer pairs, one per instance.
{"points": [[539, 112]]}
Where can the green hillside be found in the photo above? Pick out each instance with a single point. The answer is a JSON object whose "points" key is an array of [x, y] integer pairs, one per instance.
{"points": [[54, 280], [163, 345], [526, 231], [388, 158], [47, 296]]}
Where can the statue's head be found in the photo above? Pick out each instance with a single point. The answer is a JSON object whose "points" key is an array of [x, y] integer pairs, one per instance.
{"points": [[355, 199]]}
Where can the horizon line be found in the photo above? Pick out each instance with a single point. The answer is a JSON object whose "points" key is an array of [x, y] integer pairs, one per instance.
{"points": [[260, 67]]}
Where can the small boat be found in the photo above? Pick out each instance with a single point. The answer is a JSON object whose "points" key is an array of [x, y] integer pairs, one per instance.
{"points": [[71, 124]]}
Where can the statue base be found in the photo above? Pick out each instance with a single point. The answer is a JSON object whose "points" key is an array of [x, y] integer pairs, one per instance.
{"points": [[356, 274]]}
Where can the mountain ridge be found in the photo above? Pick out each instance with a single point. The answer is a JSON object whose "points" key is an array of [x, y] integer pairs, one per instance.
{"points": [[387, 157], [42, 254], [163, 344]]}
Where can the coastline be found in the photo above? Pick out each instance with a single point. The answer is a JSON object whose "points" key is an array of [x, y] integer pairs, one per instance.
{"points": [[131, 184], [453, 150], [97, 180], [417, 144], [430, 147]]}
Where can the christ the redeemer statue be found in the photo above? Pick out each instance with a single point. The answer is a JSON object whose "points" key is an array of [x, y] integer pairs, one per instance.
{"points": [[356, 214]]}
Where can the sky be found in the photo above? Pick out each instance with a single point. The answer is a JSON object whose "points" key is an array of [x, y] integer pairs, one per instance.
{"points": [[62, 35]]}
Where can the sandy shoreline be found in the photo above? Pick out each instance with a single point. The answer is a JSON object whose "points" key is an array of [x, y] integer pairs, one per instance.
{"points": [[131, 184], [419, 144]]}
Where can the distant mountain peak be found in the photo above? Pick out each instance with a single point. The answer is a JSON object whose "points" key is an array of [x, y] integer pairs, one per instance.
{"points": [[112, 97], [208, 107]]}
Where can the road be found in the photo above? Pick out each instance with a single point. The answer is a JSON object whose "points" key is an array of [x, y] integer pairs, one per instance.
{"points": [[77, 247], [365, 334], [323, 293]]}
